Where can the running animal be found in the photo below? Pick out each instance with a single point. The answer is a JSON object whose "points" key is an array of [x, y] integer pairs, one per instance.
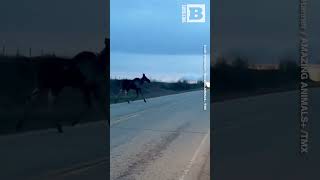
{"points": [[134, 84], [53, 74]]}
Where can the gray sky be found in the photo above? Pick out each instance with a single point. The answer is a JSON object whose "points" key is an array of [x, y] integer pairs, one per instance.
{"points": [[314, 27], [63, 26], [262, 30], [154, 27], [149, 37]]}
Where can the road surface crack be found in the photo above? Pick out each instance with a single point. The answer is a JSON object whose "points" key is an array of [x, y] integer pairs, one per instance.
{"points": [[150, 154]]}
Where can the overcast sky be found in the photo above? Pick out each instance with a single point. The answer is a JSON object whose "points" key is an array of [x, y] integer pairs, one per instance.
{"points": [[154, 27], [262, 30], [258, 28], [314, 26], [63, 26], [149, 37]]}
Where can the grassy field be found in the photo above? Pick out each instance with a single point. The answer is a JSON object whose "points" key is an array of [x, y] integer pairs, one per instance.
{"points": [[17, 77], [236, 80]]}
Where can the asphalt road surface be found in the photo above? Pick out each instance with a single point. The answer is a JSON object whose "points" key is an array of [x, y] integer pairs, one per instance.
{"points": [[80, 153], [258, 138], [166, 138]]}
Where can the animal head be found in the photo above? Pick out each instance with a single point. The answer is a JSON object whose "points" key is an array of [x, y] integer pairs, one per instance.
{"points": [[144, 78]]}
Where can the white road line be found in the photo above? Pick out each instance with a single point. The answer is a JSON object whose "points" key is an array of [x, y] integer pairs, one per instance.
{"points": [[81, 167], [52, 130], [123, 119], [195, 155], [80, 170]]}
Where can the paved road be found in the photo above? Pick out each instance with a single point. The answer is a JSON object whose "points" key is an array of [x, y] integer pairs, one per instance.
{"points": [[78, 154], [258, 138], [166, 138]]}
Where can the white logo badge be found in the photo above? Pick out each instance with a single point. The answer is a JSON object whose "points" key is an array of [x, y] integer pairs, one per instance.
{"points": [[193, 13]]}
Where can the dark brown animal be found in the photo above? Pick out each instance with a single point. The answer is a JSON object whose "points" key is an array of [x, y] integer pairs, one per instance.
{"points": [[85, 72], [134, 84]]}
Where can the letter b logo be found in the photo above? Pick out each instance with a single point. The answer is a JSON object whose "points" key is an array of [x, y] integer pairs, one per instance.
{"points": [[193, 13]]}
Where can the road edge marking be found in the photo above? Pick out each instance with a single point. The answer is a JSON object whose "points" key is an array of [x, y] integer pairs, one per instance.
{"points": [[195, 155], [70, 170]]}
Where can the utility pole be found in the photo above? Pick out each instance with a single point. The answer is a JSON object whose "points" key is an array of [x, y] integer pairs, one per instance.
{"points": [[30, 51]]}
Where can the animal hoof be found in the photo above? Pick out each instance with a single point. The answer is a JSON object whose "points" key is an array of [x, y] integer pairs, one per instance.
{"points": [[75, 123], [59, 127], [18, 127]]}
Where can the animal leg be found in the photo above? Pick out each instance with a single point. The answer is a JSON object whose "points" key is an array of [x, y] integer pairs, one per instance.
{"points": [[126, 94], [87, 98], [96, 92], [87, 101], [144, 99], [120, 92], [137, 92], [52, 99], [28, 104]]}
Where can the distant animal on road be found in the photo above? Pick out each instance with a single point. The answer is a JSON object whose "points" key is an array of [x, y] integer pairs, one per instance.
{"points": [[83, 72], [134, 84]]}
